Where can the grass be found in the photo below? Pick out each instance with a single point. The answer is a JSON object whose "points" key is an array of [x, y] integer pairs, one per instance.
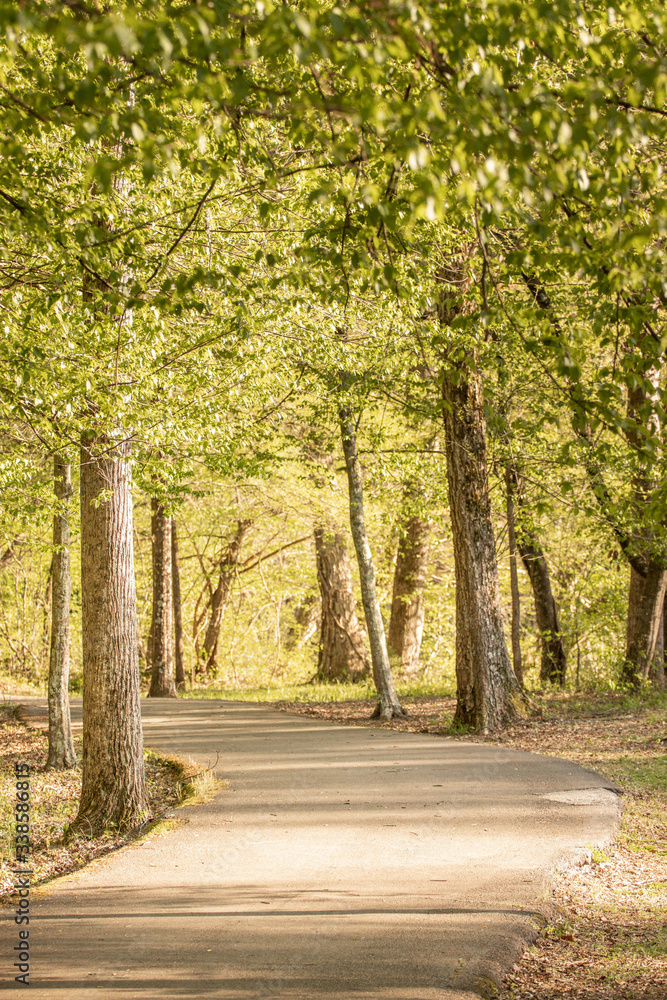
{"points": [[286, 691]]}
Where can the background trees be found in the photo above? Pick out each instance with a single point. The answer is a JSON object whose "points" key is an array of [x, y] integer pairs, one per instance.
{"points": [[410, 222]]}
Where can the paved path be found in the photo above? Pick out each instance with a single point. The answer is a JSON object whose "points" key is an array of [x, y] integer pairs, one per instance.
{"points": [[340, 863]]}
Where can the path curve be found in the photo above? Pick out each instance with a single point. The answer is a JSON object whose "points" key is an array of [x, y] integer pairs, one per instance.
{"points": [[340, 863]]}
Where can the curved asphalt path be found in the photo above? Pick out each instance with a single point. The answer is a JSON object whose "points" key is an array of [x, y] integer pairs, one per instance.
{"points": [[339, 863]]}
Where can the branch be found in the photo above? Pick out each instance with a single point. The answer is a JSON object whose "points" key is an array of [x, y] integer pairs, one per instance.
{"points": [[275, 552]]}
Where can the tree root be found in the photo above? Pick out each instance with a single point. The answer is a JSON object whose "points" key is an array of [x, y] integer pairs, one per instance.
{"points": [[386, 712]]}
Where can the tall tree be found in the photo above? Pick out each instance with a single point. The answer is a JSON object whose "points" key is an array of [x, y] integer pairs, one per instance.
{"points": [[388, 704], [162, 630], [646, 594], [488, 694], [514, 576], [341, 656], [113, 790], [179, 654], [553, 660], [406, 624], [227, 567], [61, 744]]}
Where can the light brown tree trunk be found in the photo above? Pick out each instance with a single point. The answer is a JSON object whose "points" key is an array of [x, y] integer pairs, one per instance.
{"points": [[162, 627], [178, 607], [656, 671], [342, 656], [406, 624], [113, 789], [514, 578], [646, 594], [657, 674], [227, 567], [644, 623], [61, 745], [388, 703]]}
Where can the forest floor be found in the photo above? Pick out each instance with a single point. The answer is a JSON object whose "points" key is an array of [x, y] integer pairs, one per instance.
{"points": [[604, 935], [54, 799]]}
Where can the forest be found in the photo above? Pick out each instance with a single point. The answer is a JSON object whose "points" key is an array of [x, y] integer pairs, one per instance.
{"points": [[332, 358]]}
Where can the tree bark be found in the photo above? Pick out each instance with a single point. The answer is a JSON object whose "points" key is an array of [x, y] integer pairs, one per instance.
{"points": [[162, 627], [514, 578], [342, 656], [61, 746], [644, 623], [388, 704], [227, 566], [657, 674], [178, 607], [646, 593], [406, 624], [553, 661], [488, 695], [113, 792]]}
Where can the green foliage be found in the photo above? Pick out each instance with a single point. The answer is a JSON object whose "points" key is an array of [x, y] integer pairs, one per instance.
{"points": [[220, 221]]}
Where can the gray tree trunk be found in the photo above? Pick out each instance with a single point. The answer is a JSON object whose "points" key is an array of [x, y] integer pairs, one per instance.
{"points": [[162, 626], [342, 654], [179, 658], [113, 792], [406, 624], [514, 579], [61, 746], [388, 703]]}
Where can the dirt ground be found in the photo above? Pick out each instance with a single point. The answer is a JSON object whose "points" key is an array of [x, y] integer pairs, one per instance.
{"points": [[605, 937]]}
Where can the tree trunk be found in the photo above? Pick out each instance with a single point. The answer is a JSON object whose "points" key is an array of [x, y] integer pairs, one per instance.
{"points": [[162, 627], [645, 611], [227, 566], [514, 579], [406, 624], [388, 703], [657, 674], [342, 656], [488, 694], [178, 607], [61, 745], [553, 662], [646, 594], [113, 789], [48, 615]]}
